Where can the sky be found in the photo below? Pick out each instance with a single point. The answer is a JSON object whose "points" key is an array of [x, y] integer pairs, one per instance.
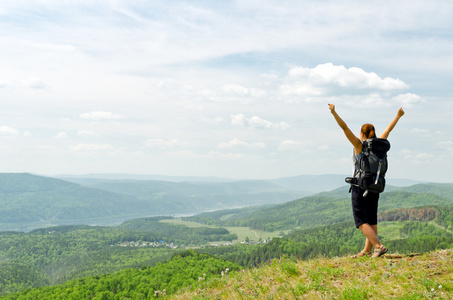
{"points": [[235, 89]]}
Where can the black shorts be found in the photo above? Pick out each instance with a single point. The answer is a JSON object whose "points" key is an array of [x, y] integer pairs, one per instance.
{"points": [[364, 209]]}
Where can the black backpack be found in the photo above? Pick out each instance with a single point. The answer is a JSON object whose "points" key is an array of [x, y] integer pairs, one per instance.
{"points": [[373, 166]]}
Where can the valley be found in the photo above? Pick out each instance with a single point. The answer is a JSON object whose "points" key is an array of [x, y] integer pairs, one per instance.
{"points": [[70, 247]]}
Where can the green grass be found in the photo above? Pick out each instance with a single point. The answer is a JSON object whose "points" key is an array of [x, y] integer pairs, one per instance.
{"points": [[390, 230], [241, 232], [253, 234], [428, 276]]}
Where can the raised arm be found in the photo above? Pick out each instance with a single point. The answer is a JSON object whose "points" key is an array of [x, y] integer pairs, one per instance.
{"points": [[355, 141], [392, 124]]}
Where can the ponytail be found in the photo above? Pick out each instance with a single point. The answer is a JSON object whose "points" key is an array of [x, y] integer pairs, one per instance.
{"points": [[369, 131]]}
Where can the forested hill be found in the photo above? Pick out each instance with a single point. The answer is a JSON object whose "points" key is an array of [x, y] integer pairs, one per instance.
{"points": [[180, 196], [325, 208], [54, 255], [183, 270], [441, 189], [195, 276], [27, 200]]}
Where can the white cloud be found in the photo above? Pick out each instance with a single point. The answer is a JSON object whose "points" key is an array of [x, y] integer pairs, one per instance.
{"points": [[4, 83], [289, 145], [370, 100], [29, 83], [219, 155], [87, 133], [182, 154], [378, 100], [238, 119], [238, 143], [241, 91], [408, 99], [446, 148], [162, 143], [235, 89], [34, 83], [61, 135], [214, 121], [415, 155], [326, 78], [293, 145], [100, 115], [420, 130], [5, 130], [301, 89], [445, 144], [257, 122], [211, 155], [91, 147]]}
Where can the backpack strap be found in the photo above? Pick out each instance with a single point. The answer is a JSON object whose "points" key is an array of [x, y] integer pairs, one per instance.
{"points": [[378, 171], [366, 149]]}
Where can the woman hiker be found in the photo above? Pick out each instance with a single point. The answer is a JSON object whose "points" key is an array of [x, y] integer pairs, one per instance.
{"points": [[365, 208]]}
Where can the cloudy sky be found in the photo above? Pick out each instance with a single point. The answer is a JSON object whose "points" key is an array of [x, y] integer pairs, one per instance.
{"points": [[234, 89]]}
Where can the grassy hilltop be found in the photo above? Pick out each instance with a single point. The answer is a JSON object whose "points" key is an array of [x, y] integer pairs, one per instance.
{"points": [[427, 276], [199, 276]]}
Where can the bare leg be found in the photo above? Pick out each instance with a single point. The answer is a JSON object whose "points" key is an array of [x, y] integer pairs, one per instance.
{"points": [[371, 237], [368, 245]]}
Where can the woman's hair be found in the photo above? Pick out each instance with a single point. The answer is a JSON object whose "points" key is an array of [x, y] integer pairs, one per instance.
{"points": [[368, 131]]}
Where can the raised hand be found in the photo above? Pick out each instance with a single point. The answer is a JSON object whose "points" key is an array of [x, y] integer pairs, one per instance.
{"points": [[332, 107]]}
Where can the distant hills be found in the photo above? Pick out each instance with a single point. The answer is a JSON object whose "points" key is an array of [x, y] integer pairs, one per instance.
{"points": [[307, 183], [30, 201], [322, 183], [127, 176], [325, 208]]}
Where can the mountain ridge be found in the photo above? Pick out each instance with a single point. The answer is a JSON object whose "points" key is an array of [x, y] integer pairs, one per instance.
{"points": [[339, 178], [324, 208], [29, 201]]}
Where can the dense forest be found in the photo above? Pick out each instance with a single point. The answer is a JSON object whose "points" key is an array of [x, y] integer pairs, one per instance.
{"points": [[179, 233], [124, 261], [182, 271], [146, 277], [53, 256], [318, 210], [57, 254], [341, 239]]}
